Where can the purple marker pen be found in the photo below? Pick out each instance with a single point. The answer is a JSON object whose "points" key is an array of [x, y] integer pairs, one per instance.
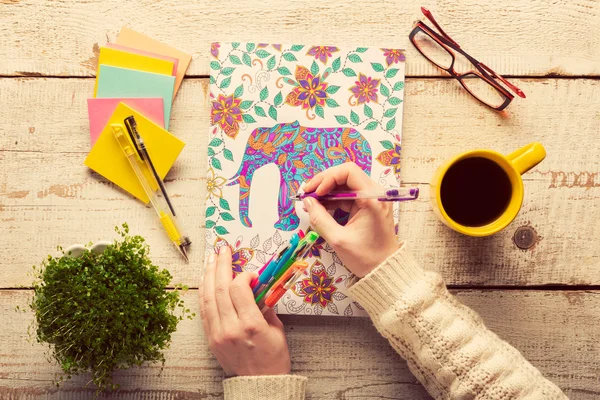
{"points": [[391, 194]]}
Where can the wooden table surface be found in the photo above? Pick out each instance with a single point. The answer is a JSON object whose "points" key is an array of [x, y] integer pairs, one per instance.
{"points": [[544, 300]]}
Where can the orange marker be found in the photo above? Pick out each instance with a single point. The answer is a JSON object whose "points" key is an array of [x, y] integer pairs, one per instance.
{"points": [[287, 280]]}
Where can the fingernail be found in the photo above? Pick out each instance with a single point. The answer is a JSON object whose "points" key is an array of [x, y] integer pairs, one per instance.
{"points": [[211, 259], [223, 249], [308, 202]]}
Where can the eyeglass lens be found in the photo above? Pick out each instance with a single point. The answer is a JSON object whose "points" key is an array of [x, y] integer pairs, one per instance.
{"points": [[483, 90], [435, 52]]}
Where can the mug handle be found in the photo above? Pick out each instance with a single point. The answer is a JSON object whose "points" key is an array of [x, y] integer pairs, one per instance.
{"points": [[527, 157]]}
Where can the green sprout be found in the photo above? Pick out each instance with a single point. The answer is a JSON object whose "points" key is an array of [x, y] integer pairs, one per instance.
{"points": [[103, 312]]}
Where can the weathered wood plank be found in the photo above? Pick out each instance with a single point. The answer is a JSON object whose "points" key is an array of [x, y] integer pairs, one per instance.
{"points": [[344, 358], [514, 37], [47, 197]]}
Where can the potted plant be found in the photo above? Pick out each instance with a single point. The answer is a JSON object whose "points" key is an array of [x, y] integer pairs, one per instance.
{"points": [[105, 309]]}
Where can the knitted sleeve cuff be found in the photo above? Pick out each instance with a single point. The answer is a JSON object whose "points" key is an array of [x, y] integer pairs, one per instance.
{"points": [[392, 280], [272, 387]]}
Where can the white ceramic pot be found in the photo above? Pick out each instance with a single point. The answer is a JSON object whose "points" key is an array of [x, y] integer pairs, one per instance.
{"points": [[77, 250]]}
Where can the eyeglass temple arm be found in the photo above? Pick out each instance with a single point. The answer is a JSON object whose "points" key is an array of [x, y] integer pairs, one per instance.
{"points": [[515, 89], [429, 16]]}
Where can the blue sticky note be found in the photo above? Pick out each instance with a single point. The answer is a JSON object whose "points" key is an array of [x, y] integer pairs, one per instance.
{"points": [[123, 82]]}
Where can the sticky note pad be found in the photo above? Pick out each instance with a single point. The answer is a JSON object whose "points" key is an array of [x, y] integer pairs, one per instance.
{"points": [[100, 111], [122, 82], [131, 38], [107, 158], [123, 59], [174, 60]]}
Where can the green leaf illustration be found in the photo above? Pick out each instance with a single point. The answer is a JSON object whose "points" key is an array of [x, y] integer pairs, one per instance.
{"points": [[258, 110], [387, 144], [361, 49], [271, 63], [216, 163], [391, 72], [215, 65], [314, 68], [289, 57], [319, 111], [273, 113], [297, 47], [332, 89], [226, 216], [210, 211], [283, 71], [262, 54], [377, 67], [210, 224], [224, 204], [337, 63], [250, 46], [384, 90], [354, 117], [221, 230], [248, 118], [341, 119], [399, 85], [278, 99], [331, 103], [215, 142], [355, 58], [239, 91], [394, 101], [211, 152], [246, 104], [235, 60], [371, 126], [246, 59], [235, 45], [391, 124], [227, 71], [348, 72], [368, 111], [225, 83], [212, 79], [228, 154], [390, 113], [264, 93]]}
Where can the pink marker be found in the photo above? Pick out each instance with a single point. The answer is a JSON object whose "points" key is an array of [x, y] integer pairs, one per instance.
{"points": [[260, 271]]}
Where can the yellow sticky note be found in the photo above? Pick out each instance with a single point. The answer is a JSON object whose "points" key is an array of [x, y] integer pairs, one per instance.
{"points": [[107, 158], [124, 59], [131, 38]]}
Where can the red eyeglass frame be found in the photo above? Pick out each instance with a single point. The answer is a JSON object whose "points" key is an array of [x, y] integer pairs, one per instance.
{"points": [[482, 70]]}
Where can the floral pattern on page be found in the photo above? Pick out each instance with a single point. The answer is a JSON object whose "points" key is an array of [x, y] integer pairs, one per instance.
{"points": [[279, 114]]}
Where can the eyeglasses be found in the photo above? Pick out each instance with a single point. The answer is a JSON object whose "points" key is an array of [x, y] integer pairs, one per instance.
{"points": [[477, 78]]}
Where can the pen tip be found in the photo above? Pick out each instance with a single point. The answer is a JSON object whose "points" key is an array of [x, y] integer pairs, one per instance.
{"points": [[184, 253]]}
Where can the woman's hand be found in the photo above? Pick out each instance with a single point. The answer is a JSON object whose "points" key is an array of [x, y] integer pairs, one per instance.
{"points": [[369, 236], [244, 341]]}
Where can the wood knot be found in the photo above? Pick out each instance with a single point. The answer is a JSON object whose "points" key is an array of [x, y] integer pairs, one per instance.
{"points": [[525, 237]]}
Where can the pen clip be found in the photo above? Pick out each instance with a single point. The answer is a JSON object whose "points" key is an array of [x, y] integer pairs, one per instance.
{"points": [[134, 135]]}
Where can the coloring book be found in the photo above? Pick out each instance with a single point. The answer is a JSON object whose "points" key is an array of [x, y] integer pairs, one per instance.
{"points": [[280, 114]]}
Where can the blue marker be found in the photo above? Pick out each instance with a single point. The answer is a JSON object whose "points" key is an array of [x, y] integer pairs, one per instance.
{"points": [[277, 263]]}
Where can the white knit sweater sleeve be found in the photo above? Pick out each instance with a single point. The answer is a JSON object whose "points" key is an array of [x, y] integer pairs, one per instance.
{"points": [[271, 387], [446, 344]]}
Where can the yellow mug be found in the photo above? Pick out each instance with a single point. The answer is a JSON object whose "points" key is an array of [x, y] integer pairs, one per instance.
{"points": [[513, 165]]}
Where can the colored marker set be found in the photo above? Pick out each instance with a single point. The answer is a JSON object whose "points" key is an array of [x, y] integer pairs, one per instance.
{"points": [[282, 271]]}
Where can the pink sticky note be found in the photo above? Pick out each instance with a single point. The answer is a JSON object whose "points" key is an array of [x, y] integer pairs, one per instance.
{"points": [[175, 61], [100, 111]]}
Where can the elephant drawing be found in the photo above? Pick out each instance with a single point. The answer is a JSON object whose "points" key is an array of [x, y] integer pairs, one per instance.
{"points": [[300, 153]]}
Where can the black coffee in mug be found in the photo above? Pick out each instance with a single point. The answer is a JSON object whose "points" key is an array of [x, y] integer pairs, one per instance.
{"points": [[475, 191]]}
